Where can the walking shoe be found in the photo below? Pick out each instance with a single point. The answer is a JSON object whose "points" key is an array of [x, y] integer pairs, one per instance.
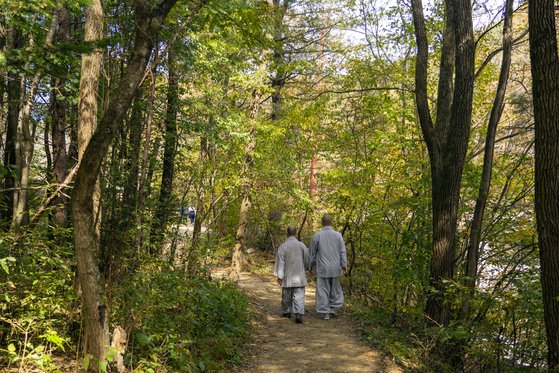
{"points": [[286, 314], [327, 316], [299, 318]]}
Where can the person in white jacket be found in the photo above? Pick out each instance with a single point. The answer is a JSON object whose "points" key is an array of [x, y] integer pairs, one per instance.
{"points": [[329, 259], [292, 260]]}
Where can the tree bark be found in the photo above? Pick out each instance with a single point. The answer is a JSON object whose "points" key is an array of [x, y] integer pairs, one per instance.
{"points": [[148, 21], [26, 141], [170, 150], [129, 199], [13, 91], [88, 92], [144, 179], [485, 182], [447, 142], [58, 125], [96, 332], [545, 90]]}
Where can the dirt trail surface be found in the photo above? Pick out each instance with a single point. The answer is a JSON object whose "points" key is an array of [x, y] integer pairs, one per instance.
{"points": [[318, 346]]}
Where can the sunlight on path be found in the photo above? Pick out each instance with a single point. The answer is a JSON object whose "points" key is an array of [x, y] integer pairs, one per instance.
{"points": [[186, 229], [318, 346]]}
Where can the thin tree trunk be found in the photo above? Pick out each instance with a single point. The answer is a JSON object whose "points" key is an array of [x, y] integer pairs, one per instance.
{"points": [[312, 177], [129, 199], [58, 127], [485, 182], [170, 150], [193, 259], [26, 141], [13, 88], [142, 190], [545, 87], [246, 188]]}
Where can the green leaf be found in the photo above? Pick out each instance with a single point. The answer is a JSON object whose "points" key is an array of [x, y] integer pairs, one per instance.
{"points": [[202, 366], [86, 361], [4, 263]]}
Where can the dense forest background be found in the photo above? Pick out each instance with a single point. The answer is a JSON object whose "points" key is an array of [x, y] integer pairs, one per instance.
{"points": [[413, 124]]}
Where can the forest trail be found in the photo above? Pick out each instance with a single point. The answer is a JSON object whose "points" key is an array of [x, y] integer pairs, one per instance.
{"points": [[318, 346]]}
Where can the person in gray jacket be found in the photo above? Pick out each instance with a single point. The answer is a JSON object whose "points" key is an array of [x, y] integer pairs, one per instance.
{"points": [[292, 259], [329, 259]]}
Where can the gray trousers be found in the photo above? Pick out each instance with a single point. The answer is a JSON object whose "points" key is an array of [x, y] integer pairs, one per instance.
{"points": [[329, 294], [293, 300]]}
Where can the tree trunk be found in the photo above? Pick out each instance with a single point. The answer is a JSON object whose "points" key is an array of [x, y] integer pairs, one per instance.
{"points": [[148, 21], [193, 258], [447, 142], [545, 87], [88, 93], [13, 88], [58, 125], [26, 141], [247, 174], [130, 196], [485, 182], [142, 189], [96, 331], [170, 150], [312, 177], [280, 75]]}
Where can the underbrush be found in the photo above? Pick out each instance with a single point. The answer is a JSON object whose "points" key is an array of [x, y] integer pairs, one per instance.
{"points": [[174, 322], [178, 323], [418, 348], [406, 349], [39, 311]]}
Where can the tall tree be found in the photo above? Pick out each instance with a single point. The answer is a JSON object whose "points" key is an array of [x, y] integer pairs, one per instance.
{"points": [[545, 90], [149, 17], [447, 139], [472, 258], [88, 89], [278, 12], [26, 137], [247, 180], [13, 90], [170, 150], [96, 335], [58, 111]]}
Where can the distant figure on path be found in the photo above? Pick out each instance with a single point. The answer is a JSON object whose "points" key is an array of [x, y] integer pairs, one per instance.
{"points": [[329, 258], [191, 214], [292, 259]]}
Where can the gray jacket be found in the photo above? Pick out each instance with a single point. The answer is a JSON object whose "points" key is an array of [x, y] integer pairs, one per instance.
{"points": [[328, 253], [292, 259]]}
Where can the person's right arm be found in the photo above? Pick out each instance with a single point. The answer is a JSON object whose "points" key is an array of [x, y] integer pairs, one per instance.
{"points": [[280, 264], [314, 250]]}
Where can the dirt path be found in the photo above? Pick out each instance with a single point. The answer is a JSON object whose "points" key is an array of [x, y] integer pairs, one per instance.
{"points": [[317, 345]]}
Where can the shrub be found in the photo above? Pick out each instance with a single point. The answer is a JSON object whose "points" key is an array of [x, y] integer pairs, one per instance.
{"points": [[181, 323]]}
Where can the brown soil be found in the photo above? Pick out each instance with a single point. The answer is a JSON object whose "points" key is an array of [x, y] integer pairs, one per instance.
{"points": [[319, 346]]}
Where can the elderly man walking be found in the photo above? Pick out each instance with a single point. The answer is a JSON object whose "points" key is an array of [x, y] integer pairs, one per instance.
{"points": [[329, 258], [292, 259]]}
